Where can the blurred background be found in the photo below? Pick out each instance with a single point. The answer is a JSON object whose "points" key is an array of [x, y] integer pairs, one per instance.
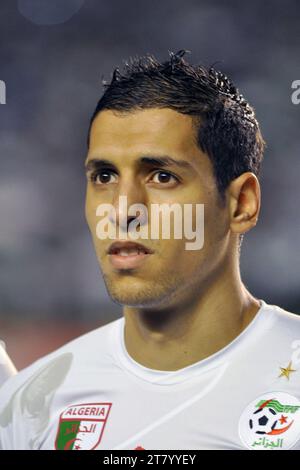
{"points": [[53, 54]]}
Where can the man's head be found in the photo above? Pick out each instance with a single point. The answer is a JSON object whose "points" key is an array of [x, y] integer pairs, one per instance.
{"points": [[195, 116]]}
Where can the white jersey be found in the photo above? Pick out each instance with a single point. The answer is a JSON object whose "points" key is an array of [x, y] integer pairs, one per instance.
{"points": [[90, 394], [7, 369]]}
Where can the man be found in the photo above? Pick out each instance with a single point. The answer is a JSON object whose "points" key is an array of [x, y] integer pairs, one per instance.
{"points": [[196, 361], [7, 369]]}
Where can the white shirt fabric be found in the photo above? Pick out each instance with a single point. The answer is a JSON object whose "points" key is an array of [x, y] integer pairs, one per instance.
{"points": [[90, 394], [7, 369]]}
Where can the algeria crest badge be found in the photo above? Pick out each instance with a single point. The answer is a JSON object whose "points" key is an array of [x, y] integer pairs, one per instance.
{"points": [[81, 426]]}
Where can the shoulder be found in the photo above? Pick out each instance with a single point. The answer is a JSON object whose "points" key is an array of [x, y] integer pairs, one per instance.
{"points": [[282, 330], [26, 397], [51, 369], [288, 321]]}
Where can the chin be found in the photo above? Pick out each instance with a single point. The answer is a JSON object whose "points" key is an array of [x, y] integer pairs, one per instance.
{"points": [[132, 299], [137, 292], [133, 294]]}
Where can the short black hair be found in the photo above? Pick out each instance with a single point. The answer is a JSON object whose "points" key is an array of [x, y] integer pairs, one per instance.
{"points": [[227, 129]]}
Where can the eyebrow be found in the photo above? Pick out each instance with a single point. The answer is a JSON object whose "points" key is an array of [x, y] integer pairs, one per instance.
{"points": [[160, 161]]}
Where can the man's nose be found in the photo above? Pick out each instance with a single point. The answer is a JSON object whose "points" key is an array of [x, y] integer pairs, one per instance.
{"points": [[129, 203]]}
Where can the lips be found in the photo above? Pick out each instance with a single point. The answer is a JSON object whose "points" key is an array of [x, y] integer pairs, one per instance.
{"points": [[121, 248], [128, 255]]}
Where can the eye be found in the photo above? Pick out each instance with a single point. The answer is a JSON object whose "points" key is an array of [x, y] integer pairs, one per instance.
{"points": [[164, 177], [103, 177]]}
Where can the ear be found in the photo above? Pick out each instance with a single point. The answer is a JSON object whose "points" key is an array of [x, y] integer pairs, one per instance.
{"points": [[243, 202]]}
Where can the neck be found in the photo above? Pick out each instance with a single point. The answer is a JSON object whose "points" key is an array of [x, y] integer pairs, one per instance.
{"points": [[174, 337]]}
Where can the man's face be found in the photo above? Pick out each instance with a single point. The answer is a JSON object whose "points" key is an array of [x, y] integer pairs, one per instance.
{"points": [[170, 273]]}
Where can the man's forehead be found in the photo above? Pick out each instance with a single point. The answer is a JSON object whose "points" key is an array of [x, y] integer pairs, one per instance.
{"points": [[153, 131], [153, 121]]}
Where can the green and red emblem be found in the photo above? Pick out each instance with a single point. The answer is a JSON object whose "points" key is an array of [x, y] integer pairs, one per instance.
{"points": [[81, 426]]}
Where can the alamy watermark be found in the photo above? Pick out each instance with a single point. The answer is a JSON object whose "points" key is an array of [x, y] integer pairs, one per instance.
{"points": [[295, 96], [2, 92], [295, 357], [186, 224]]}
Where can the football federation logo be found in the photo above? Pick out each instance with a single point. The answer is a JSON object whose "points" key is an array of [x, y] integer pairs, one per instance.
{"points": [[271, 422], [81, 426]]}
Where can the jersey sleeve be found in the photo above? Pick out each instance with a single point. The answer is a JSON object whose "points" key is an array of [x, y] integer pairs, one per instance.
{"points": [[15, 432], [26, 400]]}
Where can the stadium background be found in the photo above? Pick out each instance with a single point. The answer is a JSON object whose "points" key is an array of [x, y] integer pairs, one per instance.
{"points": [[53, 54]]}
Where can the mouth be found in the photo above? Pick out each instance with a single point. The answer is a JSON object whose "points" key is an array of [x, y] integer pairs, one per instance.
{"points": [[128, 255]]}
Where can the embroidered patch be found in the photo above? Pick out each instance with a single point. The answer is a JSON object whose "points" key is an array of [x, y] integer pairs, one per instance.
{"points": [[81, 426], [271, 422]]}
